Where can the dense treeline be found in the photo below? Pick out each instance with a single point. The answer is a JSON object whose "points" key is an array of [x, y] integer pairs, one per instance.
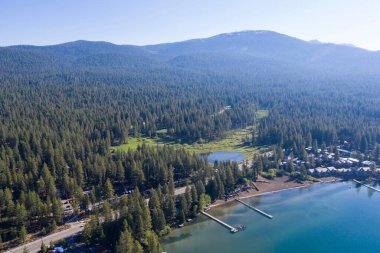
{"points": [[63, 107], [129, 224], [323, 117], [56, 134]]}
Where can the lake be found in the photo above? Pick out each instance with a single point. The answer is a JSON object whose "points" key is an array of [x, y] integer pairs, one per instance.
{"points": [[333, 217], [225, 156]]}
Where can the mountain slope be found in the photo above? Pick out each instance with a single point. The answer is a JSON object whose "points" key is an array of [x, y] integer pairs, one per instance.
{"points": [[273, 46], [247, 52]]}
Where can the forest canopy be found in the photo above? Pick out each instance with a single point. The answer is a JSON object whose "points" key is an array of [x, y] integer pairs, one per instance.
{"points": [[62, 107]]}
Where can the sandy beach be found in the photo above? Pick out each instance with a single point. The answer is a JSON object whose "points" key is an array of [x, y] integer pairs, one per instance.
{"points": [[272, 186]]}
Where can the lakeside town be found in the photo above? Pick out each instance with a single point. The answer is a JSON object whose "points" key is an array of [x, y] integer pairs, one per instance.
{"points": [[339, 161], [321, 164]]}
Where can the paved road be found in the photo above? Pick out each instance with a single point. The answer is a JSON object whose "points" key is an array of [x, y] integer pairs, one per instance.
{"points": [[75, 228], [35, 246]]}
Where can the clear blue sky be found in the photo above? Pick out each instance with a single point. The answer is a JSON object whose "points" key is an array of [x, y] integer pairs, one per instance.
{"points": [[42, 22]]}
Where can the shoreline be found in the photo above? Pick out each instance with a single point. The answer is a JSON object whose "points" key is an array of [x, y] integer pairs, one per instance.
{"points": [[277, 188]]}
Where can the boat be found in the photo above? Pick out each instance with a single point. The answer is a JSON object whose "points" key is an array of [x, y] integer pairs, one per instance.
{"points": [[234, 230]]}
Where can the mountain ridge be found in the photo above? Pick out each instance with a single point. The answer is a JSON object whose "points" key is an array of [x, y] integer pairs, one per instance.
{"points": [[315, 41], [250, 50]]}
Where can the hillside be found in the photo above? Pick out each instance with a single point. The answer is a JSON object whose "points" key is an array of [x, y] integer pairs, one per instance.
{"points": [[244, 52]]}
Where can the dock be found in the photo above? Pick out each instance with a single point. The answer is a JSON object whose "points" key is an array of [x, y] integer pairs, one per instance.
{"points": [[366, 185], [231, 228], [255, 209]]}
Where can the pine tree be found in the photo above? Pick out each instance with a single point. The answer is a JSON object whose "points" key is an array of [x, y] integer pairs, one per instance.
{"points": [[106, 211], [200, 188], [108, 189], [22, 234], [158, 220], [53, 226], [183, 205], [57, 210], [188, 196], [181, 217], [171, 182], [89, 230], [137, 248], [152, 242], [125, 244], [43, 248], [154, 201], [194, 194], [20, 214], [170, 210]]}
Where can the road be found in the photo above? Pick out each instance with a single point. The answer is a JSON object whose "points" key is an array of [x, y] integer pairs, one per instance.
{"points": [[75, 228], [35, 246], [179, 191]]}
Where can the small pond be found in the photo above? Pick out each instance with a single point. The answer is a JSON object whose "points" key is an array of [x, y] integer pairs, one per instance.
{"points": [[225, 156]]}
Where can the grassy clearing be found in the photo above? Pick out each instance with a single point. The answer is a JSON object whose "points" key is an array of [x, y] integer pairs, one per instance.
{"points": [[133, 143], [233, 142], [260, 114]]}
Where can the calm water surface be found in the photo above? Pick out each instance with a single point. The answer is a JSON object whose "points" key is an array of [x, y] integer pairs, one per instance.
{"points": [[334, 217], [225, 156]]}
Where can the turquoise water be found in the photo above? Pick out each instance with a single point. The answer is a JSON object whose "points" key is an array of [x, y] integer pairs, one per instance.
{"points": [[333, 217], [225, 156]]}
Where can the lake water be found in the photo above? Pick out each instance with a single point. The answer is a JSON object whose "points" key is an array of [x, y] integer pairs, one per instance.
{"points": [[225, 156], [333, 217]]}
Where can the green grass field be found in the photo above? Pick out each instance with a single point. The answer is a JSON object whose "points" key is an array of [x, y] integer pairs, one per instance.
{"points": [[260, 114], [233, 142]]}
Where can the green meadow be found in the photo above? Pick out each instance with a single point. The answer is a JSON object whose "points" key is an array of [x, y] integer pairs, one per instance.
{"points": [[234, 141]]}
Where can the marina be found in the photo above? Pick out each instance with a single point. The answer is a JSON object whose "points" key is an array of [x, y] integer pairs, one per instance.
{"points": [[315, 214]]}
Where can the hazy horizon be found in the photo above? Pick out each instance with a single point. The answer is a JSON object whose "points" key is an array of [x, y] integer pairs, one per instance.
{"points": [[146, 22], [200, 38]]}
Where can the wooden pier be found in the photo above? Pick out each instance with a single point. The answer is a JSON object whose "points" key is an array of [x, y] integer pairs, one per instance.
{"points": [[255, 209], [366, 185], [231, 228]]}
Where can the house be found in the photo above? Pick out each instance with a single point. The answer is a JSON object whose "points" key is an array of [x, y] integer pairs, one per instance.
{"points": [[269, 154], [321, 171], [354, 160], [331, 169], [364, 169], [346, 152], [343, 171], [367, 163]]}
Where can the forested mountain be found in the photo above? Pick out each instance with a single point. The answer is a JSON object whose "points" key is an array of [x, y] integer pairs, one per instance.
{"points": [[250, 47], [62, 107], [266, 46]]}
